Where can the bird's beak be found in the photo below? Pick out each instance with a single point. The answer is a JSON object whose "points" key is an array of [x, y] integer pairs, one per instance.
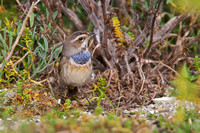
{"points": [[91, 35]]}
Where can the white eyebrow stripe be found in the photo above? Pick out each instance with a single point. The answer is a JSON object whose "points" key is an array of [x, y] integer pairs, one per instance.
{"points": [[79, 37]]}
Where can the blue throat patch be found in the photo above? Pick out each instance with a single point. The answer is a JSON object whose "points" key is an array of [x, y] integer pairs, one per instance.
{"points": [[81, 58]]}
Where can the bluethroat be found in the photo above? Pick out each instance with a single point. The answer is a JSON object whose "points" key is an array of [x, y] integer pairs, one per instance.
{"points": [[75, 67]]}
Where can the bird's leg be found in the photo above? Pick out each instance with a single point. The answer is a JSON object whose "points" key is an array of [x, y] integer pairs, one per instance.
{"points": [[72, 93], [90, 104]]}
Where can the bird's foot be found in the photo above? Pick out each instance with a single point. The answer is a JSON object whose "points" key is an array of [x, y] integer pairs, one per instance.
{"points": [[90, 104]]}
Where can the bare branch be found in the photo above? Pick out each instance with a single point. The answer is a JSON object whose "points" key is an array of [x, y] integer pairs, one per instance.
{"points": [[152, 28], [178, 20], [93, 17], [20, 59], [73, 17]]}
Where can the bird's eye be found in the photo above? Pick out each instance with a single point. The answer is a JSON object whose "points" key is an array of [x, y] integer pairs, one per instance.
{"points": [[80, 39]]}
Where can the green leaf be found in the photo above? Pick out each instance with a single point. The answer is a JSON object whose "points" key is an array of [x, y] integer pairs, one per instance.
{"points": [[4, 53], [32, 16], [98, 110], [168, 1], [40, 45], [41, 29], [53, 33], [19, 25], [33, 33], [52, 50], [47, 13], [36, 37], [39, 66], [193, 77], [198, 31], [2, 67], [185, 72], [3, 41], [4, 33], [10, 41], [55, 14], [36, 50], [33, 67], [128, 124], [45, 44], [49, 25], [1, 57]]}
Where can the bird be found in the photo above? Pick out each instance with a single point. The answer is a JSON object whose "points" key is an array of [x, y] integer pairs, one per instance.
{"points": [[75, 67]]}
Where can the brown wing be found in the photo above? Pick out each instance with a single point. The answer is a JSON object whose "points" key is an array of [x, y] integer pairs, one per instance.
{"points": [[63, 60]]}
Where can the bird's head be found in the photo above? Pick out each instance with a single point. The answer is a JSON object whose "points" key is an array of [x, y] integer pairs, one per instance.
{"points": [[76, 43]]}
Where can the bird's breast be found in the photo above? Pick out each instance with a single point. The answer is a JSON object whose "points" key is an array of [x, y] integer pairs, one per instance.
{"points": [[76, 74]]}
